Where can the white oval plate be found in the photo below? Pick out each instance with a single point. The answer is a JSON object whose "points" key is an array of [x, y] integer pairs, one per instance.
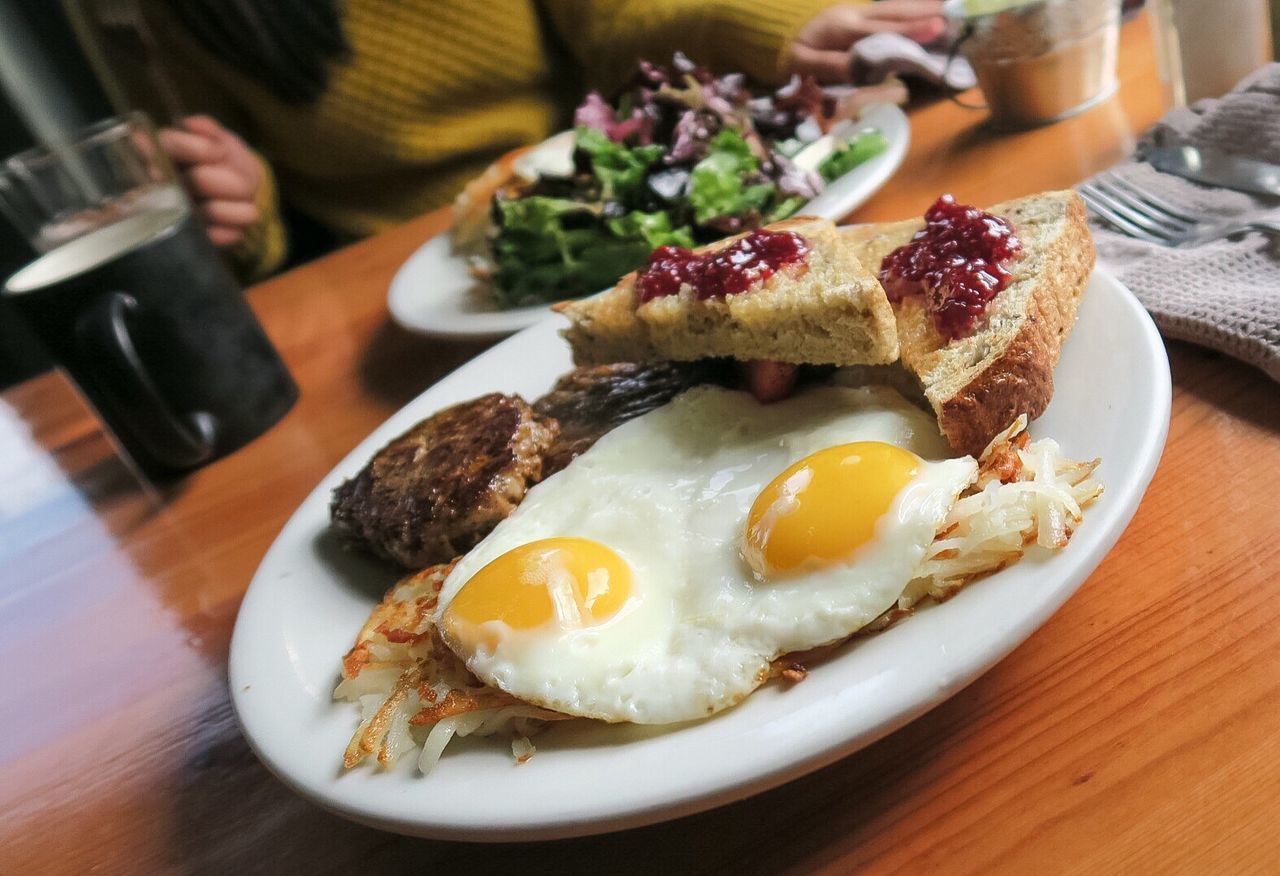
{"points": [[309, 598], [433, 294]]}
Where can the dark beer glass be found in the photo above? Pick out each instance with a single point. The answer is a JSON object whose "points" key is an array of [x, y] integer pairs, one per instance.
{"points": [[135, 304]]}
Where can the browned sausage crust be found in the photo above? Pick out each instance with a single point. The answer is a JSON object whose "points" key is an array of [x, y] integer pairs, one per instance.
{"points": [[435, 491]]}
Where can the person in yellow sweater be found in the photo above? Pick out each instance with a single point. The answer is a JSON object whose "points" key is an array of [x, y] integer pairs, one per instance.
{"points": [[365, 113]]}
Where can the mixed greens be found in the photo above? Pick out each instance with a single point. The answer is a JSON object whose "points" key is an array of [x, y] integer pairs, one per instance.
{"points": [[682, 158]]}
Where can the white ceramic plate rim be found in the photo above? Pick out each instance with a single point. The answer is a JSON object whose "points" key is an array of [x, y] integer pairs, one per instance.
{"points": [[301, 613], [432, 294]]}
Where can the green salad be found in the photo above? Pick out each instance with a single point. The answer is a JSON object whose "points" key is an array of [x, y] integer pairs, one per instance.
{"points": [[682, 158]]}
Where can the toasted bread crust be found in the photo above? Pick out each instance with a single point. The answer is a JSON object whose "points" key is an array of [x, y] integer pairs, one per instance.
{"points": [[1018, 382], [1007, 369], [1020, 379]]}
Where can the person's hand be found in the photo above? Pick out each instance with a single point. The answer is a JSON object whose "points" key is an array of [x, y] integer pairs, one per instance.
{"points": [[821, 49], [221, 173]]}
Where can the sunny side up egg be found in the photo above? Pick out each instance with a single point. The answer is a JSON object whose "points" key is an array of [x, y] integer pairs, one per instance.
{"points": [[656, 577]]}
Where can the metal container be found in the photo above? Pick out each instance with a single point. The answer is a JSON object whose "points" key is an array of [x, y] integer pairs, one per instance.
{"points": [[1038, 62]]}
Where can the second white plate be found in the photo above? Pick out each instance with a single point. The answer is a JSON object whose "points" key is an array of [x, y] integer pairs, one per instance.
{"points": [[433, 294]]}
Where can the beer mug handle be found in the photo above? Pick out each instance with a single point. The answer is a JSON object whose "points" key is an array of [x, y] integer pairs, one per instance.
{"points": [[172, 439]]}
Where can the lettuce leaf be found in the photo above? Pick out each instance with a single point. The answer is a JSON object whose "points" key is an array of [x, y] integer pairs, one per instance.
{"points": [[716, 186], [620, 168], [653, 228], [532, 251], [784, 208], [863, 147], [552, 248]]}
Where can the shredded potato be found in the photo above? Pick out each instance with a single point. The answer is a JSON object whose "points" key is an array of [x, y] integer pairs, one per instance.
{"points": [[1026, 493], [414, 692]]}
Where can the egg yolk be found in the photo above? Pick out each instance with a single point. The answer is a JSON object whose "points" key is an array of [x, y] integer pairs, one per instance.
{"points": [[824, 507], [572, 582]]}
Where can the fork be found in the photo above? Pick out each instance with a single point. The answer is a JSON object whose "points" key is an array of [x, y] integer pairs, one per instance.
{"points": [[1142, 215]]}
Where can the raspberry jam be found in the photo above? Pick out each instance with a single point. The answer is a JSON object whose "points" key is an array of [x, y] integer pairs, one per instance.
{"points": [[730, 271], [959, 261]]}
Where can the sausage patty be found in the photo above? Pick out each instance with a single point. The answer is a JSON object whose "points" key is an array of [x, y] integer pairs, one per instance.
{"points": [[434, 492]]}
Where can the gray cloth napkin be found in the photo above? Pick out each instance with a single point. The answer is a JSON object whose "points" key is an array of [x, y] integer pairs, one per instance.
{"points": [[1224, 295]]}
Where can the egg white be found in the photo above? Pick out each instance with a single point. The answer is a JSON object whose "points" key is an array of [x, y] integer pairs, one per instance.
{"points": [[670, 493]]}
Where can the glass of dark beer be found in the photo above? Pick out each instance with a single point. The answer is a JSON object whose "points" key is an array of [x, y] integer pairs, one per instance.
{"points": [[133, 301]]}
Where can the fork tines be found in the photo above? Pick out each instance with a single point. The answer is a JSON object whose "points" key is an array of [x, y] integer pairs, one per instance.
{"points": [[1137, 212]]}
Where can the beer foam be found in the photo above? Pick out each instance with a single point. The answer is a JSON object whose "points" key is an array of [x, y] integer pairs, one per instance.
{"points": [[85, 253]]}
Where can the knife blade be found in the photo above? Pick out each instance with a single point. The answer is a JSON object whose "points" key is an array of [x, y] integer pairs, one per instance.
{"points": [[1216, 168]]}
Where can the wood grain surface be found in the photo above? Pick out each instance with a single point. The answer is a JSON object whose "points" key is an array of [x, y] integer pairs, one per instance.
{"points": [[1136, 732]]}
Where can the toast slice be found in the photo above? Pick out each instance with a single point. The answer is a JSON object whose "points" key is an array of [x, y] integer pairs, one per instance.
{"points": [[978, 385], [827, 309]]}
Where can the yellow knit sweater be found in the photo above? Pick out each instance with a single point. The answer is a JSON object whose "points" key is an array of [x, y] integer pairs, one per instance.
{"points": [[436, 89]]}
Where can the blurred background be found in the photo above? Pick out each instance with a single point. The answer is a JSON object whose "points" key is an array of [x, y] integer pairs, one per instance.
{"points": [[61, 68]]}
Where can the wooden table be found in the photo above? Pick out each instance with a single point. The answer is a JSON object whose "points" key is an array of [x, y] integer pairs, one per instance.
{"points": [[1136, 731]]}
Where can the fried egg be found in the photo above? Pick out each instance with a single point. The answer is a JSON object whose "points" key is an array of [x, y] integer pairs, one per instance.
{"points": [[655, 578]]}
